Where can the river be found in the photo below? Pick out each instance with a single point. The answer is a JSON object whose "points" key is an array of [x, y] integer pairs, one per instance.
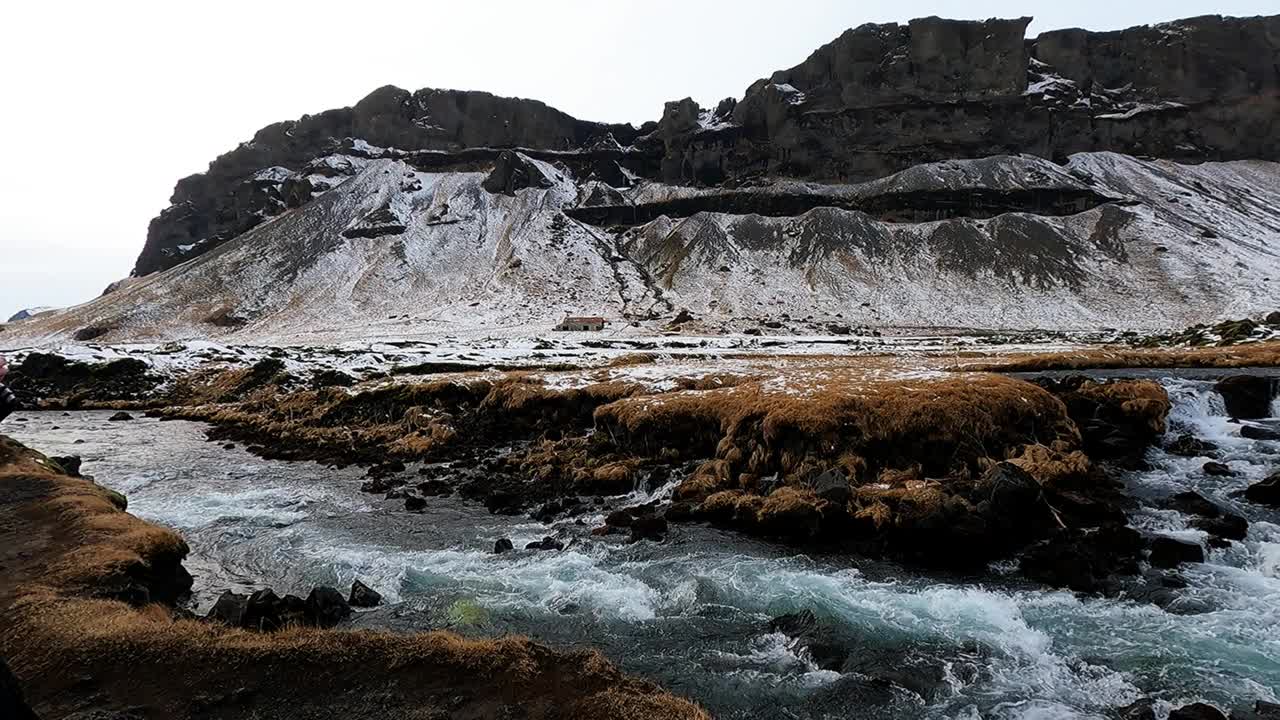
{"points": [[692, 613]]}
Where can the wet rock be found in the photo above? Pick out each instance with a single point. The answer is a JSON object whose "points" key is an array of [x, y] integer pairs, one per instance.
{"points": [[377, 486], [502, 545], [546, 543], [385, 470], [415, 503], [680, 512], [435, 488], [1167, 552], [1265, 492], [1193, 503], [503, 502], [1227, 526], [70, 464], [1217, 469], [1141, 710], [648, 527], [121, 416], [1187, 445], [1247, 397], [1256, 432], [1261, 710], [363, 596], [794, 624], [326, 607], [1197, 711], [618, 518], [1084, 560]]}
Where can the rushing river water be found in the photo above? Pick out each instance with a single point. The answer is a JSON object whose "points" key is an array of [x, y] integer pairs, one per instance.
{"points": [[692, 613]]}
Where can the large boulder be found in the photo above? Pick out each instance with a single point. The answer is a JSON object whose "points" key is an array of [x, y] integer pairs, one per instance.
{"points": [[1197, 711], [1247, 397]]}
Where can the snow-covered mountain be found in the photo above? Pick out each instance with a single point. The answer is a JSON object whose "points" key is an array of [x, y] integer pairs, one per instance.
{"points": [[1001, 200]]}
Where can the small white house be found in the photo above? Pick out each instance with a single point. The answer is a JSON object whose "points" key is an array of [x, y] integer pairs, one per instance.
{"points": [[581, 324]]}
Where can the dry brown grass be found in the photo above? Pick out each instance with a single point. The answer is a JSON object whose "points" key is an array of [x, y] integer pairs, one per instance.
{"points": [[863, 426], [1263, 354], [62, 538]]}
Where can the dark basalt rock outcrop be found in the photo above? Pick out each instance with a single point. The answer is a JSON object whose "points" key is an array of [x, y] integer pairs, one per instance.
{"points": [[878, 99], [1265, 492], [1247, 397], [12, 703], [44, 377], [265, 611], [515, 171]]}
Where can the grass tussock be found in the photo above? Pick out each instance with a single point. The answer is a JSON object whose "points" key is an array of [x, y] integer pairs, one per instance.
{"points": [[864, 427], [1262, 354], [65, 539]]}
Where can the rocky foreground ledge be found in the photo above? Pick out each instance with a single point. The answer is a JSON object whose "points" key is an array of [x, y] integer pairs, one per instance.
{"points": [[88, 625]]}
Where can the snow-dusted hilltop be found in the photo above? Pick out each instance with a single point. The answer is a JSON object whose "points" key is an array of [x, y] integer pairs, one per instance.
{"points": [[938, 173]]}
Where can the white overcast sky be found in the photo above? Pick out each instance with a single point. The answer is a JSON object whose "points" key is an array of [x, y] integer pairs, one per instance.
{"points": [[107, 104]]}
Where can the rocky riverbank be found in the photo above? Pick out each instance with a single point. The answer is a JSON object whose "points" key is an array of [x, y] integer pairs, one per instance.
{"points": [[87, 599]]}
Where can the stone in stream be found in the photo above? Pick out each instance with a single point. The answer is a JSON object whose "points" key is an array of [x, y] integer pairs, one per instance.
{"points": [[1261, 711], [648, 527], [1143, 709], [546, 543], [1084, 560], [1167, 552], [1247, 397], [1217, 469], [121, 416], [1227, 526], [1187, 445], [363, 596], [1265, 492], [503, 545], [1257, 432], [1197, 711], [415, 503], [326, 607]]}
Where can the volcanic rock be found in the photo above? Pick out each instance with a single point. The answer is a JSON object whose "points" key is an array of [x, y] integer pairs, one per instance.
{"points": [[1265, 492], [1167, 552], [362, 596], [1247, 397]]}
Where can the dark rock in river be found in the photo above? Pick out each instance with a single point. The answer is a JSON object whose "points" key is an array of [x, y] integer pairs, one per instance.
{"points": [[546, 543], [415, 503], [326, 607], [1217, 469], [1247, 397], [1255, 432], [503, 545], [1261, 710], [363, 596], [229, 609], [1191, 446], [1227, 526], [120, 417], [1084, 560], [1265, 492], [648, 527], [1197, 711], [1167, 552]]}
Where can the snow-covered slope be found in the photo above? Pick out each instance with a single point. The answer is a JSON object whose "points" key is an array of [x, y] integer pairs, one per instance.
{"points": [[392, 250]]}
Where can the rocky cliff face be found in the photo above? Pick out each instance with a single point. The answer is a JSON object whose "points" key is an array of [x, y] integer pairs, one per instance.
{"points": [[878, 99]]}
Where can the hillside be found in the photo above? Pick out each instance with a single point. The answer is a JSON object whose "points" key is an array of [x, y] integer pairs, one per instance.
{"points": [[934, 174]]}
